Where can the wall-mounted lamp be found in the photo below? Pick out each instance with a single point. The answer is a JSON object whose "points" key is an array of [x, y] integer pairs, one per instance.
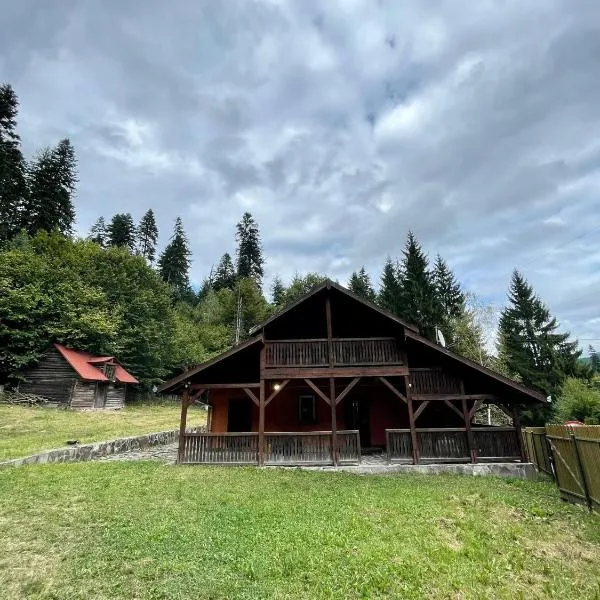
{"points": [[276, 386]]}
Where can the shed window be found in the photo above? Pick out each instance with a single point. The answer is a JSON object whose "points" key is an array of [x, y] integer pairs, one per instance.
{"points": [[307, 410]]}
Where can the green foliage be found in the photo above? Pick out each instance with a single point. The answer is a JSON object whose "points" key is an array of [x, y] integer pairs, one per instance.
{"points": [[147, 236], [51, 180], [174, 263], [277, 291], [594, 359], [450, 297], [532, 348], [389, 291], [225, 276], [360, 284], [300, 286], [121, 231], [13, 186], [98, 233], [579, 401], [250, 261]]}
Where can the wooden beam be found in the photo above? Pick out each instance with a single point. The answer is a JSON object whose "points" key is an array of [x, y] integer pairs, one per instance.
{"points": [[223, 386], [185, 402], [334, 453], [411, 419], [421, 409], [517, 426], [473, 410], [325, 372], [329, 328], [456, 410], [252, 396], [391, 387], [275, 392], [261, 411], [318, 391], [347, 390], [470, 438], [196, 395], [483, 397]]}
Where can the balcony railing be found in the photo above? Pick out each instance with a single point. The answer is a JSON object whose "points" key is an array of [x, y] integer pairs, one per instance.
{"points": [[344, 352]]}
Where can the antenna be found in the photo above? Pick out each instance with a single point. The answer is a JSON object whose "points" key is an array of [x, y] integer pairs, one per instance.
{"points": [[439, 337]]}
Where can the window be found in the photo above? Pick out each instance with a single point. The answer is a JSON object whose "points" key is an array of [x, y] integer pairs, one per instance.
{"points": [[307, 410], [109, 371]]}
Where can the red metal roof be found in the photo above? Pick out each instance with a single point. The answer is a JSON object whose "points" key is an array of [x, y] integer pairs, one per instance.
{"points": [[83, 363]]}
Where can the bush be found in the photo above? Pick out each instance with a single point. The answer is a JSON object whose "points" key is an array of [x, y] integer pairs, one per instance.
{"points": [[578, 400]]}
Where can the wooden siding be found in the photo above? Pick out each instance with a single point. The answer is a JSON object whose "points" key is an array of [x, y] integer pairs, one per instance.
{"points": [[115, 397], [52, 378], [84, 394]]}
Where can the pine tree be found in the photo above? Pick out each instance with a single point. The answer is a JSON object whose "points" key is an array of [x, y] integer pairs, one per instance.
{"points": [[13, 187], [51, 180], [98, 233], [360, 284], [224, 277], [277, 291], [418, 300], [147, 235], [450, 297], [389, 291], [121, 231], [250, 261], [530, 345], [174, 262], [594, 359]]}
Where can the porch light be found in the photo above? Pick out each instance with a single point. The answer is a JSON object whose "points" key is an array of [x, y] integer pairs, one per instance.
{"points": [[276, 386]]}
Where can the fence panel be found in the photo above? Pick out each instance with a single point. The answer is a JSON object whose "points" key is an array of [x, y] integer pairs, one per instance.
{"points": [[220, 448], [537, 449], [588, 444], [399, 445]]}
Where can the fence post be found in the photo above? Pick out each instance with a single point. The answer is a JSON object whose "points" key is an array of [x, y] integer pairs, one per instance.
{"points": [[584, 483]]}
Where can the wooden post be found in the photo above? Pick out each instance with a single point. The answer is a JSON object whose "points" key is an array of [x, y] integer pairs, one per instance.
{"points": [[185, 401], [517, 425], [334, 454], [411, 420], [470, 439], [261, 410]]}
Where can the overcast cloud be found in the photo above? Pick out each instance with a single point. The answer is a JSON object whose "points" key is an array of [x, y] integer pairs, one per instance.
{"points": [[339, 125]]}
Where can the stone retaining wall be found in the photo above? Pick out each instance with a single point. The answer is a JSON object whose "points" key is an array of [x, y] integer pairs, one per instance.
{"points": [[96, 449]]}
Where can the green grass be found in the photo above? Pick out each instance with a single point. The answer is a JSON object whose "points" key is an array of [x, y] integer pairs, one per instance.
{"points": [[153, 531], [27, 430]]}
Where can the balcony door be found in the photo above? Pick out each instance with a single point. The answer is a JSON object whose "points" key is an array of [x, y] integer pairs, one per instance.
{"points": [[358, 416], [239, 414]]}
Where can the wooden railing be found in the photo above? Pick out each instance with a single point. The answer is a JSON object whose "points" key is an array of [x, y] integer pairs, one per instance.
{"points": [[220, 448], [433, 381], [345, 352], [280, 448], [452, 444]]}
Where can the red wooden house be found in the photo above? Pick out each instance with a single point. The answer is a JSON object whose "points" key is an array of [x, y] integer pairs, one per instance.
{"points": [[331, 377]]}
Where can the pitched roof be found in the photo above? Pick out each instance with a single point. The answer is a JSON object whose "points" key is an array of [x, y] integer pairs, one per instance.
{"points": [[469, 363], [85, 363], [336, 286]]}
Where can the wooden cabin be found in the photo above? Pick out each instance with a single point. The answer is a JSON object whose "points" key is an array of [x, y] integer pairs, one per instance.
{"points": [[332, 377], [77, 379]]}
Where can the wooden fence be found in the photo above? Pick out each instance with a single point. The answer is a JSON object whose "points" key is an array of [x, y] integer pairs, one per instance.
{"points": [[571, 455]]}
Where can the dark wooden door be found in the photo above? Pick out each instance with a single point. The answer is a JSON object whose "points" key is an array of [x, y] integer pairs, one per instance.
{"points": [[358, 417], [100, 399], [239, 414]]}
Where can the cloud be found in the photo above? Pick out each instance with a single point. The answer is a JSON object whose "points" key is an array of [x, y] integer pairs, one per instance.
{"points": [[339, 125]]}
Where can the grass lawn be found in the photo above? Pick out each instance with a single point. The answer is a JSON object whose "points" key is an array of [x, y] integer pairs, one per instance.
{"points": [[153, 531], [27, 430]]}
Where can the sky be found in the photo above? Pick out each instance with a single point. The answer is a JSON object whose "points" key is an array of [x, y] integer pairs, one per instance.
{"points": [[339, 125]]}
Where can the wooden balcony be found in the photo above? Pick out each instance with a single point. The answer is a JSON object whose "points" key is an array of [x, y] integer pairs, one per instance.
{"points": [[345, 352]]}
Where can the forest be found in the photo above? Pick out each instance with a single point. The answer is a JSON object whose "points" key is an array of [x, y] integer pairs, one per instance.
{"points": [[116, 292]]}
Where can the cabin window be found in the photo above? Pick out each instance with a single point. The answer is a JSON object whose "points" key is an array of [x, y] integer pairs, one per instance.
{"points": [[307, 410], [109, 371]]}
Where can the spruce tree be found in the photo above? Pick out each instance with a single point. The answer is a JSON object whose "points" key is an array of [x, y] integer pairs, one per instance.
{"points": [[224, 277], [13, 187], [594, 359], [360, 284], [121, 231], [530, 345], [418, 304], [250, 261], [147, 235], [389, 290], [277, 291], [51, 181], [450, 297], [98, 233], [174, 262]]}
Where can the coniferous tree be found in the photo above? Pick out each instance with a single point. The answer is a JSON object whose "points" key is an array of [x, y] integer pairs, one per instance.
{"points": [[450, 297], [531, 347], [594, 359], [224, 277], [418, 300], [360, 284], [174, 262], [13, 187], [389, 291], [51, 181], [98, 233], [250, 261], [121, 231], [147, 235], [277, 291]]}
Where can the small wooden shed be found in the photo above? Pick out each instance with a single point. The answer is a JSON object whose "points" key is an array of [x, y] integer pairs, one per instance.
{"points": [[78, 379]]}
